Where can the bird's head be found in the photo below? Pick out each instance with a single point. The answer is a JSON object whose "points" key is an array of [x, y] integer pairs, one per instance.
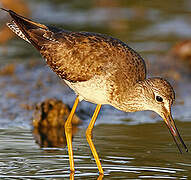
{"points": [[158, 95]]}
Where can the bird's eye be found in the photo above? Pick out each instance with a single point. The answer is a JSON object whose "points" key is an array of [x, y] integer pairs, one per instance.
{"points": [[159, 99]]}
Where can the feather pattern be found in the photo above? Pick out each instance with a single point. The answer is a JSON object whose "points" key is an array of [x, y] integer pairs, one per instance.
{"points": [[13, 26]]}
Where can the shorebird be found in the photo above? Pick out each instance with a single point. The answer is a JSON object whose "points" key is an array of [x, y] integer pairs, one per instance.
{"points": [[100, 69]]}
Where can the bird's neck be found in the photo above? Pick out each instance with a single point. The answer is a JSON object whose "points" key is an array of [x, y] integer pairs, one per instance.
{"points": [[132, 99]]}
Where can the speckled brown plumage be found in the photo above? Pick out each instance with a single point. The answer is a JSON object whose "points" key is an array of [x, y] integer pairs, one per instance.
{"points": [[66, 52], [78, 56]]}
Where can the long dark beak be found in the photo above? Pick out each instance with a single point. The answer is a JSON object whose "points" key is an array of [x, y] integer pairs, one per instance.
{"points": [[174, 132]]}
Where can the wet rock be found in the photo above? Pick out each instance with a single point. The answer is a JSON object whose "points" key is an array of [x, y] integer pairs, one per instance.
{"points": [[48, 121], [52, 113]]}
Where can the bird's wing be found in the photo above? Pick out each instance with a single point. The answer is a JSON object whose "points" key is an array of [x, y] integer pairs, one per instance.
{"points": [[78, 56]]}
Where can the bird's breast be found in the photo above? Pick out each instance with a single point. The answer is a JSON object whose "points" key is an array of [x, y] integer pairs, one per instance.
{"points": [[93, 90]]}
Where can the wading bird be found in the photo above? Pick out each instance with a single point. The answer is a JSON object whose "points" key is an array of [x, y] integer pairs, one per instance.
{"points": [[100, 69]]}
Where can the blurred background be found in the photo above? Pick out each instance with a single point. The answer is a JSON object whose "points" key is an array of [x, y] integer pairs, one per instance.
{"points": [[133, 145]]}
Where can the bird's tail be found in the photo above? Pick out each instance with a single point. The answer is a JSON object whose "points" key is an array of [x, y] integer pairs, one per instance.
{"points": [[30, 31]]}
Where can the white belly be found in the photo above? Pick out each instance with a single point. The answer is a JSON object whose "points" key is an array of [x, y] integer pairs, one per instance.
{"points": [[93, 90]]}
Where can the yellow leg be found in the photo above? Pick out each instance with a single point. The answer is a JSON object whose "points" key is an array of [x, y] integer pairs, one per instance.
{"points": [[89, 138], [100, 177], [72, 176], [68, 132]]}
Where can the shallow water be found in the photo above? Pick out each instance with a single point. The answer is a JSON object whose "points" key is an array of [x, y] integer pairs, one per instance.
{"points": [[140, 151], [130, 146]]}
